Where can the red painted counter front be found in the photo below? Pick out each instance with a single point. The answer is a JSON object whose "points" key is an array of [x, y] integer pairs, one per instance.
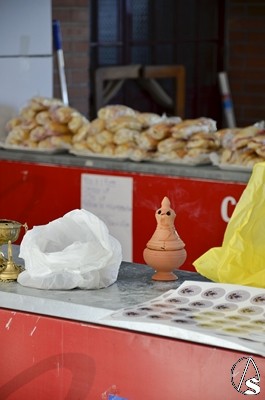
{"points": [[38, 193], [47, 358]]}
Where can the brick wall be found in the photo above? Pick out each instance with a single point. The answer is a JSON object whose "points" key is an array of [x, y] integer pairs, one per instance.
{"points": [[246, 55], [246, 59], [74, 18]]}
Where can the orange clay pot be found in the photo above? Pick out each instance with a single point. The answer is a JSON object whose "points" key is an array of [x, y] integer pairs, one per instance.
{"points": [[165, 251], [164, 262]]}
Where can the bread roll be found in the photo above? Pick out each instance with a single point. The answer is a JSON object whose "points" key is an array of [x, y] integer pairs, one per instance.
{"points": [[171, 120], [75, 123], [62, 141], [261, 152], [28, 125], [124, 121], [38, 133], [228, 156], [45, 144], [146, 142], [16, 121], [39, 103], [190, 126], [243, 136], [257, 141], [176, 154], [147, 119], [160, 131], [124, 135], [54, 128], [37, 106], [97, 125], [82, 146], [109, 149], [17, 136], [93, 145], [197, 152], [170, 144], [43, 117], [27, 114], [204, 141], [246, 157], [62, 114], [104, 137], [82, 133], [137, 154], [115, 111], [125, 149], [30, 144], [226, 136], [180, 135]]}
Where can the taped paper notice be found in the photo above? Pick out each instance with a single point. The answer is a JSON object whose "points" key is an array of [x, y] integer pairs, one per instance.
{"points": [[110, 199]]}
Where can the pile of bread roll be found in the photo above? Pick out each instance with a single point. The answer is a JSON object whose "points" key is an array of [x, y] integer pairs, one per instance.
{"points": [[242, 146], [118, 131], [191, 140], [121, 131], [45, 123]]}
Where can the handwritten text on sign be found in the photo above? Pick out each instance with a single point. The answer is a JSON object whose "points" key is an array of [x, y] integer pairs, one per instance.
{"points": [[110, 199]]}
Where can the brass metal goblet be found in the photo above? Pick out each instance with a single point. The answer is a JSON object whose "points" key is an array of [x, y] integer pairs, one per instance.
{"points": [[9, 233]]}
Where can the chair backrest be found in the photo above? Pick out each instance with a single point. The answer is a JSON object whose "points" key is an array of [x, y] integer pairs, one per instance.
{"points": [[108, 81], [178, 73]]}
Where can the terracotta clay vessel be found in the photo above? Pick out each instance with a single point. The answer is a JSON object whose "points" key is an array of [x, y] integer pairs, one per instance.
{"points": [[165, 251]]}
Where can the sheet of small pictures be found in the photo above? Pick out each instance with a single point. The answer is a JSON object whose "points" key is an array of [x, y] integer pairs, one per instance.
{"points": [[231, 312]]}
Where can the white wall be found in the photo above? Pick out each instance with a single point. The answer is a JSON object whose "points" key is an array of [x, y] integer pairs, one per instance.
{"points": [[26, 68]]}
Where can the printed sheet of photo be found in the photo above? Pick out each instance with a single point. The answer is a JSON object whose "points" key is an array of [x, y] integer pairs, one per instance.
{"points": [[225, 315]]}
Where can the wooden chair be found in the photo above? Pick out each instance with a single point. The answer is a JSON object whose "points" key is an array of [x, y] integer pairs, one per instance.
{"points": [[153, 72], [109, 80]]}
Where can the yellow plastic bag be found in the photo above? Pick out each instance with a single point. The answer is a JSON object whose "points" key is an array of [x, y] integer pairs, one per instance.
{"points": [[241, 259]]}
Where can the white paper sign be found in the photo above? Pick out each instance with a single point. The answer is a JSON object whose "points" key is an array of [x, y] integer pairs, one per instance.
{"points": [[110, 199]]}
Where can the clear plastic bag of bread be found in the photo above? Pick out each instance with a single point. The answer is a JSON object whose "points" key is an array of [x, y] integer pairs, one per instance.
{"points": [[45, 123], [241, 258], [74, 251]]}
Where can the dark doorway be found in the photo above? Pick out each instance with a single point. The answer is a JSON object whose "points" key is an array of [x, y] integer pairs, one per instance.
{"points": [[162, 32]]}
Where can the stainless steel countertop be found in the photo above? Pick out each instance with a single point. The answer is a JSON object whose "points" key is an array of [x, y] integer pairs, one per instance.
{"points": [[133, 286], [154, 168]]}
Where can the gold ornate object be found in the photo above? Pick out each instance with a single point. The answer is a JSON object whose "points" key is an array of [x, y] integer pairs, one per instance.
{"points": [[9, 233]]}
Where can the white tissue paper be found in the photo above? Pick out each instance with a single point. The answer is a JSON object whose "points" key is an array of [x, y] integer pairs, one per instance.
{"points": [[74, 251]]}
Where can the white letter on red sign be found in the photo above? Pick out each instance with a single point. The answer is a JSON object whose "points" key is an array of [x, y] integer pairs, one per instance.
{"points": [[224, 207]]}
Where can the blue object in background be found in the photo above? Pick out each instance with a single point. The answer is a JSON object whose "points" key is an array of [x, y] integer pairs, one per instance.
{"points": [[57, 37], [57, 40]]}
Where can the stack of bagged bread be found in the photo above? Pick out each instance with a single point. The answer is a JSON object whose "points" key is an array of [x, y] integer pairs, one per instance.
{"points": [[45, 123], [242, 146], [190, 140], [121, 131]]}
